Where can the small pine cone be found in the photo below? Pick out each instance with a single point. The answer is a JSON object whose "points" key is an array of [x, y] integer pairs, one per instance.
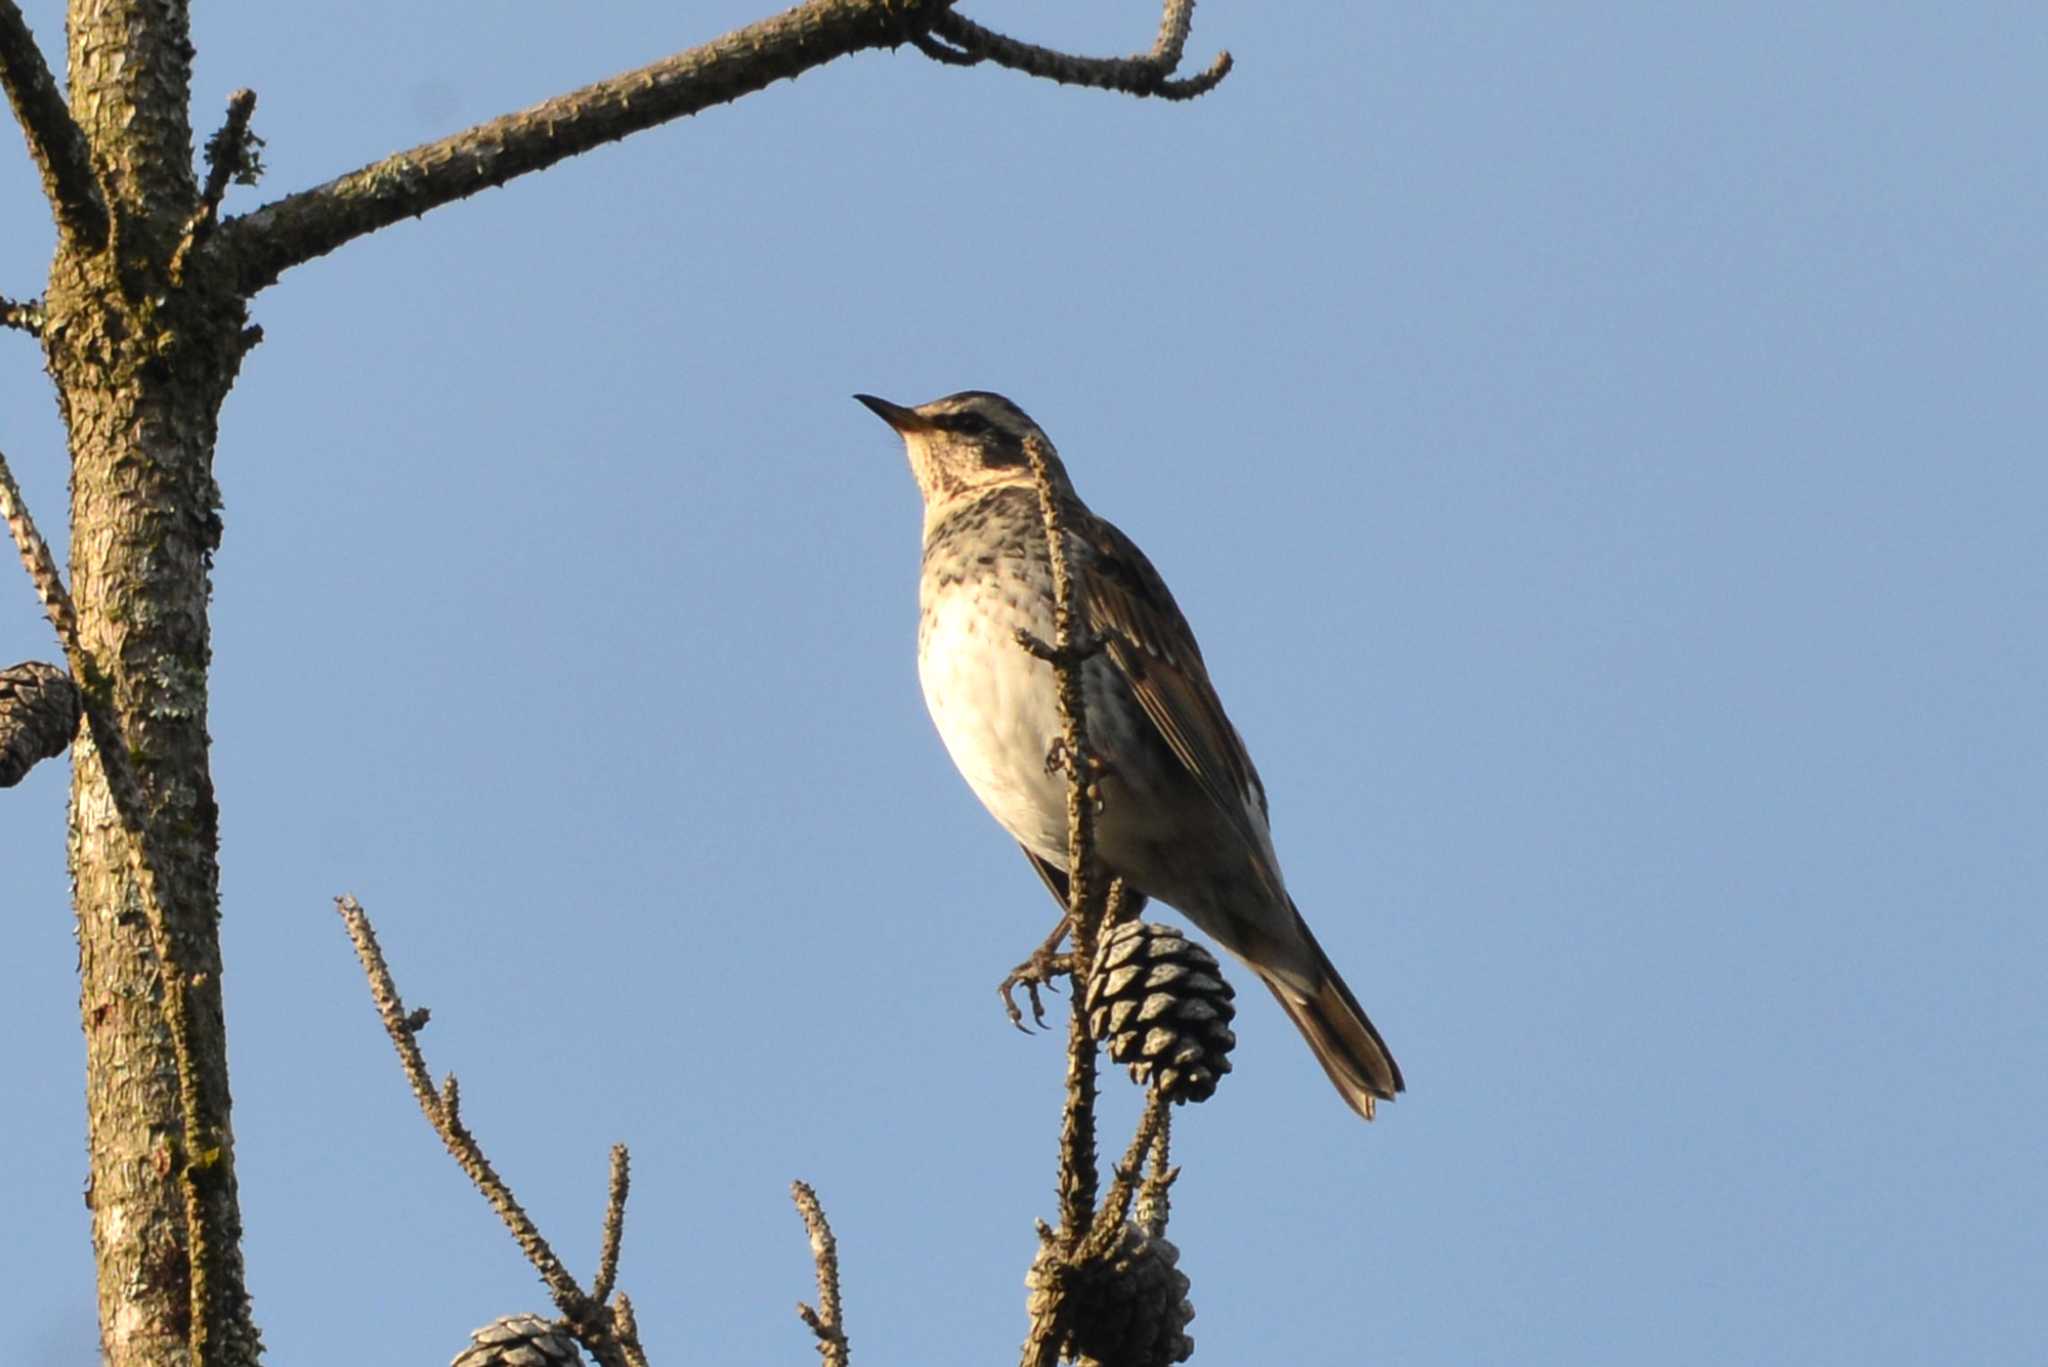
{"points": [[1127, 1309], [39, 711], [1159, 1003], [519, 1341]]}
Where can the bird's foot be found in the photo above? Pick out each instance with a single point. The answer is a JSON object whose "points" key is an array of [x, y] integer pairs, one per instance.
{"points": [[1040, 967]]}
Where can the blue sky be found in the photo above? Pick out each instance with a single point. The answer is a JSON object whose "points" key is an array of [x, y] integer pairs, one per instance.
{"points": [[1599, 447]]}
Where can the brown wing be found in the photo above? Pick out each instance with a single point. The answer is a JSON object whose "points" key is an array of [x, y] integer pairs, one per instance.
{"points": [[1055, 877], [1149, 640]]}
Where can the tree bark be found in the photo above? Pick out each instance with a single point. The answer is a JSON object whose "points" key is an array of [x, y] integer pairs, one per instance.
{"points": [[141, 367]]}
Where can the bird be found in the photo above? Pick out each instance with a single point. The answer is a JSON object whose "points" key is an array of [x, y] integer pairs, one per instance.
{"points": [[1182, 813]]}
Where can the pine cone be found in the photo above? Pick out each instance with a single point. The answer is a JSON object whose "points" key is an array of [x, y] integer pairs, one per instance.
{"points": [[1127, 1309], [519, 1341], [1159, 1003], [39, 711]]}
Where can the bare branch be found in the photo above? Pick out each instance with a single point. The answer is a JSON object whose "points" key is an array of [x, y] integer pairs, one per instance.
{"points": [[37, 560], [1116, 1205], [1047, 1303], [231, 155], [1077, 1132], [96, 696], [627, 1328], [940, 52], [443, 1111], [1175, 21], [1068, 655], [614, 1225], [54, 137], [273, 239], [1068, 652], [1147, 74], [1155, 1201], [24, 315], [608, 1333], [825, 1321]]}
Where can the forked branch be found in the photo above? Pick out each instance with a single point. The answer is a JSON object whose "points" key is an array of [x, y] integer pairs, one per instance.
{"points": [[607, 1332], [259, 247], [1147, 73]]}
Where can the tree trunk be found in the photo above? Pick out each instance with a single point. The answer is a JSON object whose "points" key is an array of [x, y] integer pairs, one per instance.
{"points": [[141, 366]]}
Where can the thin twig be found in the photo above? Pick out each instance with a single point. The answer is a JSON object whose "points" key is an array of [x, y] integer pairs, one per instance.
{"points": [[54, 137], [117, 765], [1116, 908], [1176, 19], [1042, 1344], [1155, 1199], [607, 1332], [824, 1321], [614, 1226], [627, 1329], [230, 156], [1068, 656], [1116, 1204], [1147, 74], [1068, 653], [23, 315], [443, 1111], [1077, 1133], [37, 560]]}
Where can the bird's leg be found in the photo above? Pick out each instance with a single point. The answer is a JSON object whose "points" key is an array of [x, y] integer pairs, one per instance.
{"points": [[1039, 968]]}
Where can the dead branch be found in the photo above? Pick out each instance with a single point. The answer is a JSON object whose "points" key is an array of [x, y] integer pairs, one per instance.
{"points": [[231, 155], [825, 1320], [54, 138], [259, 247], [1068, 654], [1123, 1187], [23, 315], [1090, 1239], [607, 1332], [263, 245], [1144, 74], [614, 1225], [1155, 1197]]}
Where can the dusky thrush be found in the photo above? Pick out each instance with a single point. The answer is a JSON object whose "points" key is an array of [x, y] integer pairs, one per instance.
{"points": [[1183, 815]]}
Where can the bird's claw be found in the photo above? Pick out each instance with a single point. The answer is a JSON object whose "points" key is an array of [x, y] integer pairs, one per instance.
{"points": [[1038, 970]]}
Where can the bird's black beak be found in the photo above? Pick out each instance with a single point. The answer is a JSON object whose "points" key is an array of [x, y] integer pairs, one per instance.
{"points": [[901, 418]]}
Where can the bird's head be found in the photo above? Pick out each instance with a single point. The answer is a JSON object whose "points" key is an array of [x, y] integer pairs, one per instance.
{"points": [[968, 443]]}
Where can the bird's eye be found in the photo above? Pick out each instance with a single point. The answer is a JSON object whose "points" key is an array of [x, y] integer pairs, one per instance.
{"points": [[968, 424]]}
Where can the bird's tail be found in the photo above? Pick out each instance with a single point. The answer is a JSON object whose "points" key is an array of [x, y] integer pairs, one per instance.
{"points": [[1336, 1027]]}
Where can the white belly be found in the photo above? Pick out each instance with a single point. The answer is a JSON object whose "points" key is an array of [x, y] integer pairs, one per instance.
{"points": [[998, 713]]}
